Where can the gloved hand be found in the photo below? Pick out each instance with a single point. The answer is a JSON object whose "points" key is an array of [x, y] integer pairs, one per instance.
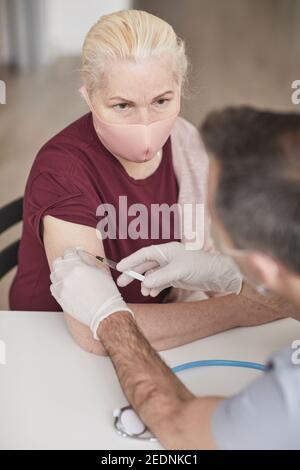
{"points": [[87, 293], [178, 267]]}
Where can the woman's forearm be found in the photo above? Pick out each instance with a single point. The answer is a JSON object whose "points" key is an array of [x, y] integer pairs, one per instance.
{"points": [[170, 325], [275, 302], [174, 324]]}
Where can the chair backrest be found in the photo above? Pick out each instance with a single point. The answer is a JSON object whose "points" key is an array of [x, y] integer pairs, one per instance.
{"points": [[10, 215]]}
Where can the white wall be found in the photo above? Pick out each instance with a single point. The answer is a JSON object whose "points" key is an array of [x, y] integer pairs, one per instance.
{"points": [[62, 25], [67, 22], [4, 47]]}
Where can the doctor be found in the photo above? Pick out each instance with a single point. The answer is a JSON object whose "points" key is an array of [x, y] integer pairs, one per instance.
{"points": [[254, 194]]}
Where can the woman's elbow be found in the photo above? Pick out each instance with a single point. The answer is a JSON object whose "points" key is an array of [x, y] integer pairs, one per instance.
{"points": [[82, 336]]}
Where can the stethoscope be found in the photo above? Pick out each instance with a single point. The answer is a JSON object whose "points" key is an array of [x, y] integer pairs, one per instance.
{"points": [[128, 424]]}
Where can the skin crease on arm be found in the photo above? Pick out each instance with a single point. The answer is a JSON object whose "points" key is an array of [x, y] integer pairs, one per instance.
{"points": [[164, 325], [175, 416]]}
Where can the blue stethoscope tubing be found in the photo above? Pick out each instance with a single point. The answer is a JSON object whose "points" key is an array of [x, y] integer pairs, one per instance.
{"points": [[192, 365], [219, 362]]}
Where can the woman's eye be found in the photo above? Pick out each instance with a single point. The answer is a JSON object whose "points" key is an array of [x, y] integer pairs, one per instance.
{"points": [[121, 106], [162, 102]]}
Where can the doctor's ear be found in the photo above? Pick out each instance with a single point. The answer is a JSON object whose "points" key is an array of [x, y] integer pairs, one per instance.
{"points": [[266, 268]]}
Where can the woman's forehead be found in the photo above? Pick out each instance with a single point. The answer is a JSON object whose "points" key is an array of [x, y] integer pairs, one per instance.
{"points": [[133, 80]]}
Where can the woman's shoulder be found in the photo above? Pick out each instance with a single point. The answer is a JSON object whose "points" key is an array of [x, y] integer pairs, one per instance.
{"points": [[57, 172], [62, 151]]}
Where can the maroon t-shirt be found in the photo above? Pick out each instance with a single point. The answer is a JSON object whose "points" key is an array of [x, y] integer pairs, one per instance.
{"points": [[71, 176]]}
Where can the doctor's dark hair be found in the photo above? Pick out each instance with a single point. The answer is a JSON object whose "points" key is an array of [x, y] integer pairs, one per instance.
{"points": [[258, 192]]}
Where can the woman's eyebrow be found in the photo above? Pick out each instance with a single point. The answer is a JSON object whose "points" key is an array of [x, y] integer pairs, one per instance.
{"points": [[132, 102], [119, 98], [163, 94]]}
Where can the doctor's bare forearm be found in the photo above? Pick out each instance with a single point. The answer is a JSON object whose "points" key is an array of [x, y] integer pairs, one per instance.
{"points": [[164, 404], [141, 372], [132, 361]]}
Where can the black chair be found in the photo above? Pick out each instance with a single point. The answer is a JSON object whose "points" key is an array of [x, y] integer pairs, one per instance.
{"points": [[10, 215]]}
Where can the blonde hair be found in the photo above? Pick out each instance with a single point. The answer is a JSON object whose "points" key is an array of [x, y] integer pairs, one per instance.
{"points": [[129, 35]]}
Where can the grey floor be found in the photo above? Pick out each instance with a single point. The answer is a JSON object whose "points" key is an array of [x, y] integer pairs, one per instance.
{"points": [[241, 51]]}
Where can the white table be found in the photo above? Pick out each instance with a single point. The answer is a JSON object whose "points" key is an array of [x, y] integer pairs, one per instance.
{"points": [[53, 395]]}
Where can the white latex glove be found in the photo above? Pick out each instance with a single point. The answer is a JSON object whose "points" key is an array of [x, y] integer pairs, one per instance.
{"points": [[87, 293], [178, 267]]}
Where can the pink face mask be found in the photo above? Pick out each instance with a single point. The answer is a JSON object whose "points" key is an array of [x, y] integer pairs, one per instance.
{"points": [[133, 142]]}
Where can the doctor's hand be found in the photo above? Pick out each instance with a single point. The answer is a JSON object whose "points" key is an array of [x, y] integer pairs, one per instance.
{"points": [[173, 265], [86, 292]]}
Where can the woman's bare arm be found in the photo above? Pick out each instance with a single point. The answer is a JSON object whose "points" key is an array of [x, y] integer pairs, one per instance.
{"points": [[57, 236], [165, 325], [169, 325]]}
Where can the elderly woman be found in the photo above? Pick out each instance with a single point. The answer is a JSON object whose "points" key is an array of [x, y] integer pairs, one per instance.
{"points": [[129, 155]]}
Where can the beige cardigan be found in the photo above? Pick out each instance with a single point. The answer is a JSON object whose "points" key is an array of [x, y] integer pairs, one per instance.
{"points": [[190, 163]]}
